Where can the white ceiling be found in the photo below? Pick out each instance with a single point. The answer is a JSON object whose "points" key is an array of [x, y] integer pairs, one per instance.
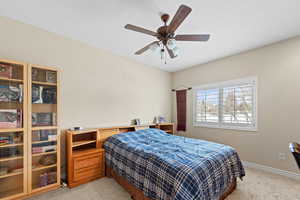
{"points": [[234, 25]]}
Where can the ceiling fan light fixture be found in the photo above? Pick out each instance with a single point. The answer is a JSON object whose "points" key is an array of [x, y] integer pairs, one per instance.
{"points": [[155, 47], [176, 51], [162, 54], [171, 44]]}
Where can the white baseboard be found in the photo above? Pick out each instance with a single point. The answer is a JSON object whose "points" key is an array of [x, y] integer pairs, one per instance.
{"points": [[272, 170]]}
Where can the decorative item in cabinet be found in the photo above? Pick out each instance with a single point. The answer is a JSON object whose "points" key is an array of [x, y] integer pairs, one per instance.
{"points": [[5, 71], [51, 77], [11, 70]]}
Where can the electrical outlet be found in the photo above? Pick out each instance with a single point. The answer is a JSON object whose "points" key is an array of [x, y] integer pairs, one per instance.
{"points": [[281, 156]]}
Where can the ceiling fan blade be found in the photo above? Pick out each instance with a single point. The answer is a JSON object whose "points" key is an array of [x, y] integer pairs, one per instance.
{"points": [[171, 54], [141, 30], [204, 37], [182, 12], [139, 52]]}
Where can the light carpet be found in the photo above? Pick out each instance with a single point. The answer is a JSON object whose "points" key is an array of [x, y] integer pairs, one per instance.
{"points": [[257, 185]]}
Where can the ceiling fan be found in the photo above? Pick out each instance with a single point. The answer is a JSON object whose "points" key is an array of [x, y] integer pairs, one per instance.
{"points": [[166, 34]]}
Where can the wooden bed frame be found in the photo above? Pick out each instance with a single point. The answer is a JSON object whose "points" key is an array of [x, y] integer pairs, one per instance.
{"points": [[137, 194]]}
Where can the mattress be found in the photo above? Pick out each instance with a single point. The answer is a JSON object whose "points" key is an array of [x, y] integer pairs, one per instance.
{"points": [[168, 167]]}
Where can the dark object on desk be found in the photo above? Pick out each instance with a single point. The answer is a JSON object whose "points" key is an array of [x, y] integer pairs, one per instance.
{"points": [[295, 149]]}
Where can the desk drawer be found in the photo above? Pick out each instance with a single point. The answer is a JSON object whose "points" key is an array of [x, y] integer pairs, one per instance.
{"points": [[88, 173], [93, 160]]}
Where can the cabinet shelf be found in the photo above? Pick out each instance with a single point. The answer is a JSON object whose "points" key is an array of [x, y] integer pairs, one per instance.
{"points": [[4, 130], [79, 132], [37, 188], [11, 79], [38, 128], [11, 158], [43, 167], [11, 174], [11, 145], [84, 142], [44, 83], [44, 153], [44, 141]]}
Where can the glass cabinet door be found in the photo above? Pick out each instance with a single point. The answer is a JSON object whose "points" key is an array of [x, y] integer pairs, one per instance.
{"points": [[44, 135], [13, 129]]}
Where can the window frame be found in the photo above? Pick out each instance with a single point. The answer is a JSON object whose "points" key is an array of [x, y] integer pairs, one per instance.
{"points": [[220, 86]]}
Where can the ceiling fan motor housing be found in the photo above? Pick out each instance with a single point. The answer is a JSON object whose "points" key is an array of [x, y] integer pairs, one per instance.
{"points": [[163, 34], [165, 18]]}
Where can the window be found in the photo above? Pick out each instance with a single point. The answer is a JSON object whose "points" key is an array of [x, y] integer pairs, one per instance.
{"points": [[229, 105]]}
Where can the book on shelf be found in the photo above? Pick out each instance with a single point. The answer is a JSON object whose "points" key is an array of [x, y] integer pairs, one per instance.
{"points": [[6, 140], [9, 169], [44, 135], [4, 170], [41, 94], [44, 119], [10, 138], [47, 178], [37, 94], [9, 93], [49, 95], [10, 152], [5, 71], [10, 118], [43, 149]]}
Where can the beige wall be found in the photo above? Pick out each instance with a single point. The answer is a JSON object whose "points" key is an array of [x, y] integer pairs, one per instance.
{"points": [[278, 70], [97, 88]]}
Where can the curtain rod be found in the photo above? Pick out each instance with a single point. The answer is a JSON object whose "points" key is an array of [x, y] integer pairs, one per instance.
{"points": [[186, 88]]}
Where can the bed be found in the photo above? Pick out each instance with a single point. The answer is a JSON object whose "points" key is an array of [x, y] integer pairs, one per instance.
{"points": [[152, 164]]}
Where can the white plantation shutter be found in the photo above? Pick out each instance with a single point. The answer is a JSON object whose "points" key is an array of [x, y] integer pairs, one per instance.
{"points": [[237, 107], [229, 104], [207, 106]]}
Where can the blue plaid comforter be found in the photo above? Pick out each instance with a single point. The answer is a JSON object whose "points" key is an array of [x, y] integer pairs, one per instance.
{"points": [[168, 167]]}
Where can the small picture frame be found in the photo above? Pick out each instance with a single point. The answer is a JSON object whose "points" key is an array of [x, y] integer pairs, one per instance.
{"points": [[5, 71], [136, 122], [34, 74], [51, 76]]}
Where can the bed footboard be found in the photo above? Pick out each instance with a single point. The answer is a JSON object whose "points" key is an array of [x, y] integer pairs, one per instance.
{"points": [[137, 194]]}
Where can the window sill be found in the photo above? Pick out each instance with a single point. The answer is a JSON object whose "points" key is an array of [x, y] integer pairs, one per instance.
{"points": [[239, 128]]}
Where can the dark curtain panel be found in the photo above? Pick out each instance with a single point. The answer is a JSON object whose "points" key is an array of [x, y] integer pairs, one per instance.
{"points": [[181, 110]]}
